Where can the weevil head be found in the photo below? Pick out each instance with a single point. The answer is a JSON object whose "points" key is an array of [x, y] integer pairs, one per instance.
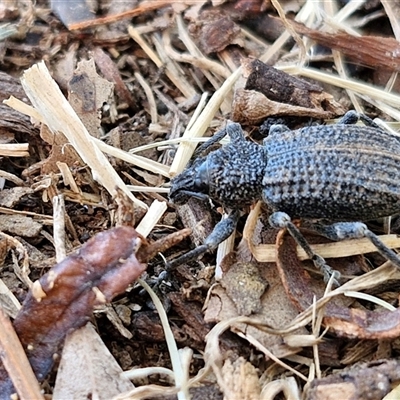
{"points": [[192, 182]]}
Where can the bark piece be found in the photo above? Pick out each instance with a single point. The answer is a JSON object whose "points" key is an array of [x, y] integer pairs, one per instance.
{"points": [[370, 381], [372, 51]]}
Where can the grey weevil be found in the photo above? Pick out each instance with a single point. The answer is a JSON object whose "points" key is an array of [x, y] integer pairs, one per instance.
{"points": [[332, 175]]}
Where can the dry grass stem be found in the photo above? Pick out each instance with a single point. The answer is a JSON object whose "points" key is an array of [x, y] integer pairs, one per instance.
{"points": [[139, 161], [150, 97], [171, 71], [352, 84], [185, 150], [59, 227]]}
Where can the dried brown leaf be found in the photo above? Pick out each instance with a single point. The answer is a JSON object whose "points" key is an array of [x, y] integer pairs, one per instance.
{"points": [[344, 321], [88, 369], [87, 92], [62, 300], [270, 92]]}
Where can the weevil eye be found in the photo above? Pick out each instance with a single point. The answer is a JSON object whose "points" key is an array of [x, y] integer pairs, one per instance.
{"points": [[201, 180]]}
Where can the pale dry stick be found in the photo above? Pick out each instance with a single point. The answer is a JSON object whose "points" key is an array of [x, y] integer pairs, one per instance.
{"points": [[385, 108], [12, 178], [258, 345], [288, 386], [8, 301], [392, 9], [14, 150], [16, 363], [56, 112], [180, 376], [350, 8], [150, 97], [147, 189], [169, 142], [212, 352], [370, 299], [156, 210], [59, 227], [374, 278], [254, 38], [43, 219], [344, 248], [177, 79], [67, 176], [170, 64], [223, 249]]}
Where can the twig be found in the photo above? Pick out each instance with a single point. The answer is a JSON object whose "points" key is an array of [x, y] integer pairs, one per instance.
{"points": [[15, 362]]}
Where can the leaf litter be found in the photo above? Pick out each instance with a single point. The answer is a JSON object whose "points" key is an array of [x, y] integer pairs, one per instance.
{"points": [[175, 79]]}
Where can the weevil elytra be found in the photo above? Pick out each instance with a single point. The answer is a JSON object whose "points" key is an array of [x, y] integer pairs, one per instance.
{"points": [[336, 175]]}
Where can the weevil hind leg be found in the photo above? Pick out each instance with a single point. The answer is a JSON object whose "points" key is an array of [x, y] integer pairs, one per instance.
{"points": [[282, 220], [356, 230]]}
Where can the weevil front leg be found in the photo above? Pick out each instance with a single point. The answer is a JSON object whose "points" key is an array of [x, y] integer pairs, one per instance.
{"points": [[221, 232], [282, 220]]}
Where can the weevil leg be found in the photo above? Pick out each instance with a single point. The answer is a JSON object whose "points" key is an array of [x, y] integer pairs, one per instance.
{"points": [[282, 220], [352, 117], [221, 231], [218, 136], [356, 230], [232, 129]]}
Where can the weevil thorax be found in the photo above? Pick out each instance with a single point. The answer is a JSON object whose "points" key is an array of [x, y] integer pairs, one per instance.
{"points": [[231, 175]]}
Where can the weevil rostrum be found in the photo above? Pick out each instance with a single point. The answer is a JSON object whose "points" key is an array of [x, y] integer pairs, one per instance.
{"points": [[334, 175]]}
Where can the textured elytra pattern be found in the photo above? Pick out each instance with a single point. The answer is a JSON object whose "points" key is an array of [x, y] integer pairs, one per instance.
{"points": [[337, 172]]}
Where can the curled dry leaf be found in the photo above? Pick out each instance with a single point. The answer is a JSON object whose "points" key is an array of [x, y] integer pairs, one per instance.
{"points": [[270, 92], [62, 300], [344, 321]]}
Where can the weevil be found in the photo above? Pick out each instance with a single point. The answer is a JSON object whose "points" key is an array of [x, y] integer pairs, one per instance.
{"points": [[333, 176]]}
